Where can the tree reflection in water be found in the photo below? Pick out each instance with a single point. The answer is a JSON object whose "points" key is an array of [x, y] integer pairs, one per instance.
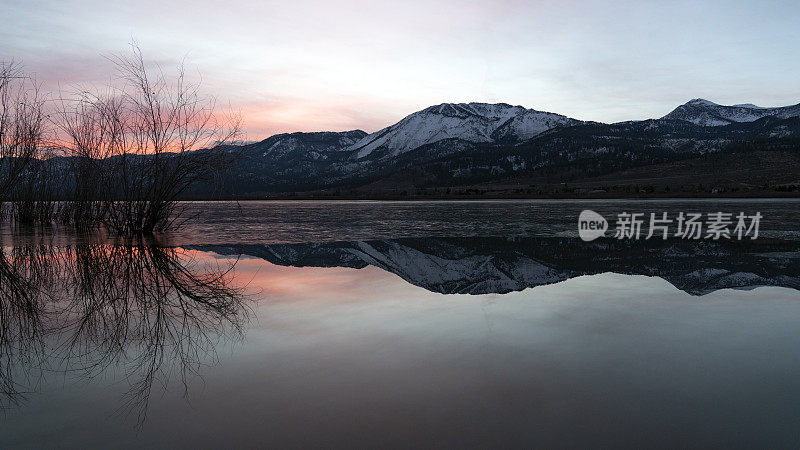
{"points": [[154, 311], [22, 309]]}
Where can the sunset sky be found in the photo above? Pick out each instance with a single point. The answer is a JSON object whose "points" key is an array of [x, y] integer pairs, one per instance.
{"points": [[312, 65]]}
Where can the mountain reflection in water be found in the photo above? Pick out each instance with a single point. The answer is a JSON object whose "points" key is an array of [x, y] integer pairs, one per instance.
{"points": [[149, 314], [83, 308], [500, 265]]}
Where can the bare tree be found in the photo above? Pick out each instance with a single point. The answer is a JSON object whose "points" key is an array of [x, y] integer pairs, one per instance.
{"points": [[21, 125], [134, 146], [92, 131]]}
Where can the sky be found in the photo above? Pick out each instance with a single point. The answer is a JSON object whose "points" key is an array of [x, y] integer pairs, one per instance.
{"points": [[304, 65]]}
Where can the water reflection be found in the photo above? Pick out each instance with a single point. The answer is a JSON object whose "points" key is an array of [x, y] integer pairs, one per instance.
{"points": [[138, 306], [21, 318], [349, 353], [500, 265]]}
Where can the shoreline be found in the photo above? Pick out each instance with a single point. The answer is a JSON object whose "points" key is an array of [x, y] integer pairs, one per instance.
{"points": [[306, 197]]}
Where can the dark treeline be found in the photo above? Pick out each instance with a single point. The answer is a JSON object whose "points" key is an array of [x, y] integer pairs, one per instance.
{"points": [[118, 158]]}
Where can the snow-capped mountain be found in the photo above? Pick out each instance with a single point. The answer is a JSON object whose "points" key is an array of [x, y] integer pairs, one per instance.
{"points": [[471, 143], [317, 145], [705, 113], [472, 122]]}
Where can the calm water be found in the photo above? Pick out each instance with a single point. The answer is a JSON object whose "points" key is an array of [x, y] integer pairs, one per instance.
{"points": [[403, 324]]}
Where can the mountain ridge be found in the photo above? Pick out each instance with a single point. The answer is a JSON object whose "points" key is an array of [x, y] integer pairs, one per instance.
{"points": [[463, 144], [707, 113]]}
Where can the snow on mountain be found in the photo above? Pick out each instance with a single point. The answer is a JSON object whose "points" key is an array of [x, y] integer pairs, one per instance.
{"points": [[498, 123], [316, 145], [474, 122], [236, 143], [705, 113]]}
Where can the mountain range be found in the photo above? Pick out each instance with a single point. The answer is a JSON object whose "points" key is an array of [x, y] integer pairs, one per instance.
{"points": [[479, 144]]}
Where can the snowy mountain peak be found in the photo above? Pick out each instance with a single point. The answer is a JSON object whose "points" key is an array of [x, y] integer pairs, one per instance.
{"points": [[473, 122], [701, 101], [705, 113], [315, 145], [462, 110]]}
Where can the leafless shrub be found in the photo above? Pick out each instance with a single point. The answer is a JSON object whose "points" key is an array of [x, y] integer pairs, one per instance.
{"points": [[89, 136], [21, 126], [133, 147]]}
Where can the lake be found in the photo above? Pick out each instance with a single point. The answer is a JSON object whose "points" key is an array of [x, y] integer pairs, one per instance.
{"points": [[403, 324]]}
